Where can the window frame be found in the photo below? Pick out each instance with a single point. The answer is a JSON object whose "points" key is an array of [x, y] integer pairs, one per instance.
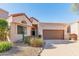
{"points": [[20, 29]]}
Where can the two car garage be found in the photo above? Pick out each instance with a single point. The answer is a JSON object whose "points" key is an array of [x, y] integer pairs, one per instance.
{"points": [[53, 34], [53, 31]]}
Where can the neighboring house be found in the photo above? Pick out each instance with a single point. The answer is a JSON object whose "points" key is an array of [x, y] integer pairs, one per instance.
{"points": [[75, 28], [3, 14]]}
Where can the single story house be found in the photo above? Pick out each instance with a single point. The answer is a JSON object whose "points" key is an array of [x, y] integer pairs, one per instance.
{"points": [[74, 28], [32, 27]]}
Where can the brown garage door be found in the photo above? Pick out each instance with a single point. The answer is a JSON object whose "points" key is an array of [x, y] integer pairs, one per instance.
{"points": [[53, 34]]}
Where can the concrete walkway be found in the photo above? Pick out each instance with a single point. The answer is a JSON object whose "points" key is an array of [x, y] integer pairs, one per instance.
{"points": [[61, 48]]}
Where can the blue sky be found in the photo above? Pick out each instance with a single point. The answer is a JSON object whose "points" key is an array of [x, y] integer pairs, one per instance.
{"points": [[44, 12]]}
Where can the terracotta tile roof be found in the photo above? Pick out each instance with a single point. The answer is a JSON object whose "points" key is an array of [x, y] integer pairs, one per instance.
{"points": [[17, 14], [20, 14], [32, 18]]}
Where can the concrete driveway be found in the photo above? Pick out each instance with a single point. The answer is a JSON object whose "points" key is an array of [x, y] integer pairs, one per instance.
{"points": [[61, 48]]}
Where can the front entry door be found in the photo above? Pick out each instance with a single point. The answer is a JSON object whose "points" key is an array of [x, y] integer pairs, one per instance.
{"points": [[33, 32]]}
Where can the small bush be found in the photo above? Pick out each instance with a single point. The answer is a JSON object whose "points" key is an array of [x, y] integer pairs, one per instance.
{"points": [[4, 46], [36, 42]]}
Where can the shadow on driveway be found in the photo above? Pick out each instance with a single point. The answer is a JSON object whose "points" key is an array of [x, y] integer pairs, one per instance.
{"points": [[49, 46]]}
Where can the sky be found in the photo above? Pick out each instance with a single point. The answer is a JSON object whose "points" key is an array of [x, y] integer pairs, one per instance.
{"points": [[44, 12]]}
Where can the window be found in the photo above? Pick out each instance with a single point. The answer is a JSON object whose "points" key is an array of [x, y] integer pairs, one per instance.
{"points": [[19, 29]]}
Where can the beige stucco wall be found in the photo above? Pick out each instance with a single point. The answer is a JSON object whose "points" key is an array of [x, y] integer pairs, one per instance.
{"points": [[21, 18], [13, 33], [13, 21], [75, 29], [52, 27]]}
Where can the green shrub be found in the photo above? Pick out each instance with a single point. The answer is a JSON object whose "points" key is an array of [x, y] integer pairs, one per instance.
{"points": [[4, 46], [36, 42], [3, 29]]}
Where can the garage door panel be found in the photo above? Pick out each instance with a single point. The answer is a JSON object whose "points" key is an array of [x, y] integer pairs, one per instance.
{"points": [[53, 34]]}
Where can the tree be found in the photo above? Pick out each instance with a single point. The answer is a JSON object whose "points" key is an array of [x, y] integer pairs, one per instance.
{"points": [[3, 29], [75, 7]]}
